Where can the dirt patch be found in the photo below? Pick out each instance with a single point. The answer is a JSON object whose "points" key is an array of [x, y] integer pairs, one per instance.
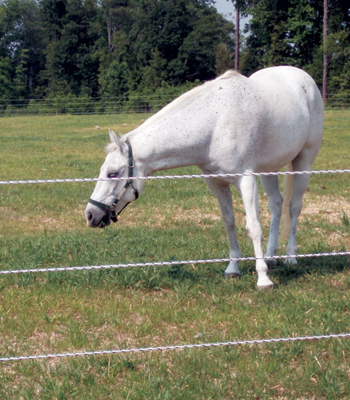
{"points": [[331, 210], [328, 208], [164, 217]]}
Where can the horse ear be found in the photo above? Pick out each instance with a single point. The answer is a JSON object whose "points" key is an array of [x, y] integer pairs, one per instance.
{"points": [[114, 139]]}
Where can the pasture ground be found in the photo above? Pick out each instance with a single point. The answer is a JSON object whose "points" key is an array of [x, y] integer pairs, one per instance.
{"points": [[42, 225]]}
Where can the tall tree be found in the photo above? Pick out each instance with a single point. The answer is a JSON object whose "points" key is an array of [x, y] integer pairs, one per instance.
{"points": [[118, 18], [241, 9], [22, 43], [71, 65], [7, 89], [266, 43], [197, 54], [325, 55], [185, 34], [237, 40], [338, 47], [304, 30]]}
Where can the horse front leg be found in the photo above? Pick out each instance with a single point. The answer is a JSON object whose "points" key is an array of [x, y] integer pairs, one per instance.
{"points": [[223, 194], [249, 192]]}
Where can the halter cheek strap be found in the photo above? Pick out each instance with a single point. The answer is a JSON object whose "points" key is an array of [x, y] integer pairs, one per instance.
{"points": [[129, 183]]}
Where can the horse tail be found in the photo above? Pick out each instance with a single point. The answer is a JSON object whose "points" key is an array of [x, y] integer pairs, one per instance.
{"points": [[287, 196]]}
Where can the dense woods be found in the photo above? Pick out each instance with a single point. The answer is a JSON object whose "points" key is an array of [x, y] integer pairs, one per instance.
{"points": [[116, 48]]}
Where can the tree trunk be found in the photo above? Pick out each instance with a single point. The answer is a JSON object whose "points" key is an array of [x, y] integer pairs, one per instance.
{"points": [[325, 55], [237, 41]]}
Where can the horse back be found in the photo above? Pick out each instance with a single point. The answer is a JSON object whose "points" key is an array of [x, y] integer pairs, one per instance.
{"points": [[289, 90], [263, 122]]}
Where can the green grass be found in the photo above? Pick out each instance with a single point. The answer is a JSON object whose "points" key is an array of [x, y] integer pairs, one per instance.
{"points": [[44, 226]]}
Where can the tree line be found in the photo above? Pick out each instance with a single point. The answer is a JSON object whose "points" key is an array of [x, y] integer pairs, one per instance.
{"points": [[116, 48]]}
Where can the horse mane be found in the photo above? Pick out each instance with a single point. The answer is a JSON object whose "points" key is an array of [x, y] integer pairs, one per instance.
{"points": [[110, 147], [188, 96]]}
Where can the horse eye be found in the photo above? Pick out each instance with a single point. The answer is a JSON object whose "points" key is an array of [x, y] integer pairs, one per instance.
{"points": [[113, 175]]}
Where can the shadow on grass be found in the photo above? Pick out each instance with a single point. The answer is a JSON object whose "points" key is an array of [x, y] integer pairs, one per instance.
{"points": [[309, 266], [152, 278]]}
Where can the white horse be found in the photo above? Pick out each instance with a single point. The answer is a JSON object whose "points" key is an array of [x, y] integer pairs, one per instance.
{"points": [[232, 124]]}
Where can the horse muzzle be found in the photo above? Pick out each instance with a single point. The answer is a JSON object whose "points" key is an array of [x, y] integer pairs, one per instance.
{"points": [[97, 219]]}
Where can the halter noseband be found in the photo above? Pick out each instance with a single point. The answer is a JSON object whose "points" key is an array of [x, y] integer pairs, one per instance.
{"points": [[111, 208]]}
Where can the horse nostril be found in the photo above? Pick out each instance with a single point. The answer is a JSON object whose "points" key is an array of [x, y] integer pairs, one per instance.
{"points": [[89, 216]]}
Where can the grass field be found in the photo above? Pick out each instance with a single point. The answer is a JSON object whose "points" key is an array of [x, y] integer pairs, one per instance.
{"points": [[43, 225]]}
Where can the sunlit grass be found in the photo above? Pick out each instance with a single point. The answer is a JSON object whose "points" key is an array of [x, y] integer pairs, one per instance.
{"points": [[43, 226]]}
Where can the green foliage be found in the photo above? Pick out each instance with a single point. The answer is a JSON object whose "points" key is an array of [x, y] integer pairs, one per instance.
{"points": [[107, 48], [304, 27], [115, 48], [339, 51], [6, 88], [291, 32], [197, 54], [115, 81], [20, 79], [21, 41], [154, 74], [140, 101]]}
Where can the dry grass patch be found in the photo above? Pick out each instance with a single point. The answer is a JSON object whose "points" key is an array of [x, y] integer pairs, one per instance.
{"points": [[330, 209]]}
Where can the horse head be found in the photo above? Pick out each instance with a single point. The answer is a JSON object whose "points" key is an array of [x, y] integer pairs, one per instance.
{"points": [[112, 194]]}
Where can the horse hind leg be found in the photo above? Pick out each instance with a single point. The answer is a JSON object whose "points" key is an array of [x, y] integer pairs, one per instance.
{"points": [[223, 194], [300, 184], [249, 192], [271, 188]]}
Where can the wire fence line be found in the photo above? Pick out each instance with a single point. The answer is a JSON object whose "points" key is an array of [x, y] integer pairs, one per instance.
{"points": [[178, 347], [171, 263], [75, 105], [163, 177], [133, 103]]}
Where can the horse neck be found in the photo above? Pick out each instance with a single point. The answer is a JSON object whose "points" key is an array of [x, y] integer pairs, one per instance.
{"points": [[164, 145]]}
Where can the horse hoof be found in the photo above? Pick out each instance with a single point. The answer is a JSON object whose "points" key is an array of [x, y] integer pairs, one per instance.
{"points": [[265, 287], [264, 283], [290, 261], [272, 262], [229, 275]]}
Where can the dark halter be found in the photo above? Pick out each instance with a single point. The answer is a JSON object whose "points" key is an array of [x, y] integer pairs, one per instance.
{"points": [[129, 183]]}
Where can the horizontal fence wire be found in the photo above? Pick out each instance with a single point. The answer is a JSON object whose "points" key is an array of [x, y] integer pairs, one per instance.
{"points": [[172, 263], [177, 347], [186, 176], [135, 104], [168, 263], [72, 105]]}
